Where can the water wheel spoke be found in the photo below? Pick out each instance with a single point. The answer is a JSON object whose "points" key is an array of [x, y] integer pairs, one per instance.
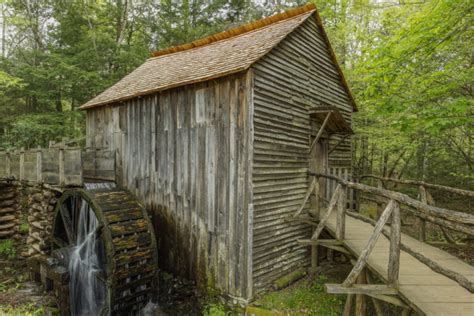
{"points": [[67, 224], [59, 242]]}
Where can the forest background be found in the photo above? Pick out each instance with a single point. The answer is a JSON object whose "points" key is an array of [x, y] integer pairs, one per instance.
{"points": [[409, 64]]}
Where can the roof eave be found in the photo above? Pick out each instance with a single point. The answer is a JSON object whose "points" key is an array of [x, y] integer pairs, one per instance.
{"points": [[334, 59]]}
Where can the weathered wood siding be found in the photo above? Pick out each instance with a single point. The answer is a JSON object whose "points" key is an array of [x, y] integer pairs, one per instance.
{"points": [[295, 75], [186, 153]]}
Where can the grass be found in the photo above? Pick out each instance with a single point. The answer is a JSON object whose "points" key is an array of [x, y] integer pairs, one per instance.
{"points": [[307, 297], [24, 228], [7, 248], [29, 309]]}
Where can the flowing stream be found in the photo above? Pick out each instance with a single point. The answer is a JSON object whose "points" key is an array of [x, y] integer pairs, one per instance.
{"points": [[87, 293]]}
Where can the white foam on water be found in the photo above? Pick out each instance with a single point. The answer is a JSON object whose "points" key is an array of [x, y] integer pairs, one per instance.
{"points": [[87, 293]]}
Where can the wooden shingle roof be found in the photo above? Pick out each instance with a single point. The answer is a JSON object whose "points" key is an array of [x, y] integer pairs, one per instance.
{"points": [[215, 56]]}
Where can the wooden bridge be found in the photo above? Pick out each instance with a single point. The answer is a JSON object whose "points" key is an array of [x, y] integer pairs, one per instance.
{"points": [[408, 272]]}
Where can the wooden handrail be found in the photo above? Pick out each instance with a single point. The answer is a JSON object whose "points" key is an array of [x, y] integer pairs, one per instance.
{"points": [[423, 183], [458, 218], [454, 220]]}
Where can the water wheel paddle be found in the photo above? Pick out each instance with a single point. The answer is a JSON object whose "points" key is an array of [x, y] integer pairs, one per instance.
{"points": [[106, 240]]}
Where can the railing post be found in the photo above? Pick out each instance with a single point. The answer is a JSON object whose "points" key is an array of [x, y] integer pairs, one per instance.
{"points": [[39, 165], [395, 238], [421, 223], [61, 166], [341, 214], [22, 164], [380, 206], [8, 164]]}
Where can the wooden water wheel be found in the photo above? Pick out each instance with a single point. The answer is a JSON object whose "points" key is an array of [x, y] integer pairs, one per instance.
{"points": [[125, 244]]}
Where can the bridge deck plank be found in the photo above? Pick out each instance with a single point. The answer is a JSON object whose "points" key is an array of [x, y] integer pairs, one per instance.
{"points": [[427, 291]]}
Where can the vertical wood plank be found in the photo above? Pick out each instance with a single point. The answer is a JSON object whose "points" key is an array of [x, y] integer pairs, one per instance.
{"points": [[341, 214], [395, 239], [22, 164], [61, 166], [39, 165]]}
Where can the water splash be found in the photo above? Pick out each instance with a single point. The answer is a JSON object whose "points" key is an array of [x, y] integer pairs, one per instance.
{"points": [[87, 292]]}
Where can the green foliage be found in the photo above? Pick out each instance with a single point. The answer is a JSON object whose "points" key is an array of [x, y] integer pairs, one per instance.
{"points": [[215, 309], [35, 130], [304, 298], [409, 65], [7, 248], [24, 228], [29, 309]]}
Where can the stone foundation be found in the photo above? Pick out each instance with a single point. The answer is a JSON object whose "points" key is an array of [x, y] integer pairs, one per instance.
{"points": [[9, 210], [41, 203]]}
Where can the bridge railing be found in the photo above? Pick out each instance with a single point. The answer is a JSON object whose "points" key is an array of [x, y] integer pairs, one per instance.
{"points": [[425, 196], [457, 221], [57, 165]]}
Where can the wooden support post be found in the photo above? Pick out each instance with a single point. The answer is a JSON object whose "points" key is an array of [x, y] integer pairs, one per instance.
{"points": [[379, 204], [8, 164], [39, 165], [314, 258], [406, 312], [395, 238], [348, 306], [421, 223], [361, 305], [62, 177], [375, 302], [341, 214], [22, 164], [317, 206]]}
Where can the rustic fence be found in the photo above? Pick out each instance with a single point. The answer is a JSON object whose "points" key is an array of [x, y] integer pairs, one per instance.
{"points": [[426, 197], [448, 219], [66, 166]]}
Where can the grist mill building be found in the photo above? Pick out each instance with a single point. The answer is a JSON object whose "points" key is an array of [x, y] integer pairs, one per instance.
{"points": [[216, 138]]}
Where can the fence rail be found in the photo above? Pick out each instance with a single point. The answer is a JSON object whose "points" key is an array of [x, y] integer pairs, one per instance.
{"points": [[457, 221], [67, 166]]}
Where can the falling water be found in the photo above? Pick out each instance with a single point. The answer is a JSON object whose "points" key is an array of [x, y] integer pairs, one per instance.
{"points": [[87, 293]]}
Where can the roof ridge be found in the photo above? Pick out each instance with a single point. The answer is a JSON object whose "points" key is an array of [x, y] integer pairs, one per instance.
{"points": [[236, 31]]}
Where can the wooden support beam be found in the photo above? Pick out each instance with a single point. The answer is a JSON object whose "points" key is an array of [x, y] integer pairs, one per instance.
{"points": [[330, 244], [394, 254], [304, 219], [321, 242], [320, 132], [375, 302], [348, 305], [361, 261], [39, 165], [314, 258], [22, 164], [331, 206], [366, 289], [308, 194], [391, 299], [361, 304], [341, 214]]}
